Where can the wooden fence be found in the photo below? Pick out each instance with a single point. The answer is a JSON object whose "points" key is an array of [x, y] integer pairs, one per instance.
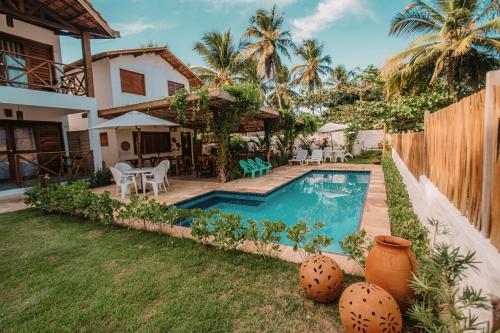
{"points": [[450, 153]]}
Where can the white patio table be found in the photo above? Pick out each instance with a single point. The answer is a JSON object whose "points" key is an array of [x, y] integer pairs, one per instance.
{"points": [[139, 172]]}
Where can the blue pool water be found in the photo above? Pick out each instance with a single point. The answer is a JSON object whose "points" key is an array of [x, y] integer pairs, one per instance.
{"points": [[336, 198]]}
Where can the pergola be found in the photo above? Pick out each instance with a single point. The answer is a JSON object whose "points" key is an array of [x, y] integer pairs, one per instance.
{"points": [[219, 101]]}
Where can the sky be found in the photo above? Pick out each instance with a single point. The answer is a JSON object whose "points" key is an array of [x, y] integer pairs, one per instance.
{"points": [[354, 32]]}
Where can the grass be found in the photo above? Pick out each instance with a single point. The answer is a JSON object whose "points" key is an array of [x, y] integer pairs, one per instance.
{"points": [[62, 274], [366, 157]]}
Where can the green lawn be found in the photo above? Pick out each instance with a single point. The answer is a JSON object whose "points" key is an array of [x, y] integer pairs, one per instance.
{"points": [[61, 274]]}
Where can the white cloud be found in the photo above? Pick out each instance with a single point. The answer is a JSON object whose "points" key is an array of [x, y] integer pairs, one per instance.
{"points": [[327, 12], [132, 28]]}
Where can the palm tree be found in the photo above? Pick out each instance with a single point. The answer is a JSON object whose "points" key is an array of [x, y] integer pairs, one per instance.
{"points": [[285, 92], [340, 77], [221, 56], [248, 74], [453, 34], [308, 75], [269, 42]]}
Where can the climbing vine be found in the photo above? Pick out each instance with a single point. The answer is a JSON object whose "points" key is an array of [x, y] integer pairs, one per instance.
{"points": [[350, 134], [247, 102]]}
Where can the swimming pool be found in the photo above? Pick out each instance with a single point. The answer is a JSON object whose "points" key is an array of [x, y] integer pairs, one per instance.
{"points": [[336, 198]]}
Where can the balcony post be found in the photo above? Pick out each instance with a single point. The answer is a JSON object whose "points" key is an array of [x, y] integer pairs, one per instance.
{"points": [[94, 137], [87, 64]]}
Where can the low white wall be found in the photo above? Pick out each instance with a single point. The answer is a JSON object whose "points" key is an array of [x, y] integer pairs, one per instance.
{"points": [[366, 139], [428, 202]]}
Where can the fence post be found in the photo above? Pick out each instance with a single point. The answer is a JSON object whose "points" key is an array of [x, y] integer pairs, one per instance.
{"points": [[489, 156]]}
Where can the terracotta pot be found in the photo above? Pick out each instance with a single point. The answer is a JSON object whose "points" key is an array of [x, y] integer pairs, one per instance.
{"points": [[390, 264], [321, 278], [367, 308]]}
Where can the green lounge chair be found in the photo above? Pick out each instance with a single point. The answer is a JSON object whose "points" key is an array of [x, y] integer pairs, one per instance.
{"points": [[268, 166], [247, 169], [252, 164]]}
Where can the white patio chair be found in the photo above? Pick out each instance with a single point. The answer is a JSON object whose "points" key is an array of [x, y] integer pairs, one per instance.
{"points": [[122, 167], [316, 157], [122, 181], [300, 157], [166, 165], [156, 178], [327, 154]]}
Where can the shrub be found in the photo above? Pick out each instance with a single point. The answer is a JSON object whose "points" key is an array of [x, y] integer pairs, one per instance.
{"points": [[404, 221], [356, 245], [101, 177], [442, 305], [266, 235], [303, 240], [74, 199]]}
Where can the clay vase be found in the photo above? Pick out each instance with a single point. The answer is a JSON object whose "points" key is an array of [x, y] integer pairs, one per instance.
{"points": [[321, 278], [367, 308], [390, 264]]}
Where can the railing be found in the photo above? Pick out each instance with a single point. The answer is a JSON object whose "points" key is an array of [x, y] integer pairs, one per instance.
{"points": [[20, 70], [53, 166]]}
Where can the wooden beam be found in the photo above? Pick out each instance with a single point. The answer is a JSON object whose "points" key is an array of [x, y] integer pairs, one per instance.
{"points": [[87, 63], [35, 20]]}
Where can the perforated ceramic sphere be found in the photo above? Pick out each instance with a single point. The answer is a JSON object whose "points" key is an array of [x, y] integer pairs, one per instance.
{"points": [[367, 308], [321, 278]]}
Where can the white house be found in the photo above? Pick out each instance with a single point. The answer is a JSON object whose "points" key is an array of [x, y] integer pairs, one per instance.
{"points": [[36, 95], [124, 77]]}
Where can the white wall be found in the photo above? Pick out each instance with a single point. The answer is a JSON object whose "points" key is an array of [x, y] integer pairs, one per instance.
{"points": [[428, 202], [156, 74], [33, 32], [366, 139]]}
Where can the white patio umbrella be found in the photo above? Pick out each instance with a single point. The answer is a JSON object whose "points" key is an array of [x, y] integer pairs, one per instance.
{"points": [[330, 128], [135, 120]]}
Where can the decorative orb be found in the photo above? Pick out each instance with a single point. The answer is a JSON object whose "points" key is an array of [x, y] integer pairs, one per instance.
{"points": [[321, 278], [367, 308]]}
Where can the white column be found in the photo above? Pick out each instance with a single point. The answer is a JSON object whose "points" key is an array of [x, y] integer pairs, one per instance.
{"points": [[95, 142], [65, 127]]}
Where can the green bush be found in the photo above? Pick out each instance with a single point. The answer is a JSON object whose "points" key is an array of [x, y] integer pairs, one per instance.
{"points": [[74, 199], [102, 177], [404, 221], [356, 245], [266, 235]]}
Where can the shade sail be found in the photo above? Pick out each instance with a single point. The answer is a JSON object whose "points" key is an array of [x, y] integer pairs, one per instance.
{"points": [[135, 119], [332, 127]]}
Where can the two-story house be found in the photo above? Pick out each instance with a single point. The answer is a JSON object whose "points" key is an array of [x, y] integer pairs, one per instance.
{"points": [[132, 76], [37, 95]]}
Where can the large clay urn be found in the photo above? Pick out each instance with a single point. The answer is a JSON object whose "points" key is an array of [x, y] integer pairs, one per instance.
{"points": [[321, 278], [390, 264], [367, 308]]}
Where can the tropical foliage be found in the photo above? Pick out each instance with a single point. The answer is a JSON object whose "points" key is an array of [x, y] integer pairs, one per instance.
{"points": [[315, 65], [456, 40]]}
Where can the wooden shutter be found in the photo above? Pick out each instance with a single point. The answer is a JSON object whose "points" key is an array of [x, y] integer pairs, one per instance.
{"points": [[173, 87], [41, 53], [49, 137], [132, 82]]}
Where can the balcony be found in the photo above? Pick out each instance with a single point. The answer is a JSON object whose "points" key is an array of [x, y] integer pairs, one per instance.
{"points": [[24, 71]]}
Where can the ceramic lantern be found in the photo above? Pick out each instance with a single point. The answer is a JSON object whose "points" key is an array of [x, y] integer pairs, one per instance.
{"points": [[321, 278], [390, 264], [366, 307]]}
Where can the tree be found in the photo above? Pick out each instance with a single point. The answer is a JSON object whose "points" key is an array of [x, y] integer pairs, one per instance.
{"points": [[458, 40], [340, 77], [269, 42], [315, 65], [287, 93], [220, 54]]}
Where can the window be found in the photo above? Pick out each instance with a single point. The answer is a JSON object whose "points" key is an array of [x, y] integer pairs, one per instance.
{"points": [[104, 139], [173, 87], [153, 142], [132, 82]]}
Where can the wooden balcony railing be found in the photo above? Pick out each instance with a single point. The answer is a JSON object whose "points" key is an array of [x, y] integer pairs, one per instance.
{"points": [[54, 166], [20, 70]]}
